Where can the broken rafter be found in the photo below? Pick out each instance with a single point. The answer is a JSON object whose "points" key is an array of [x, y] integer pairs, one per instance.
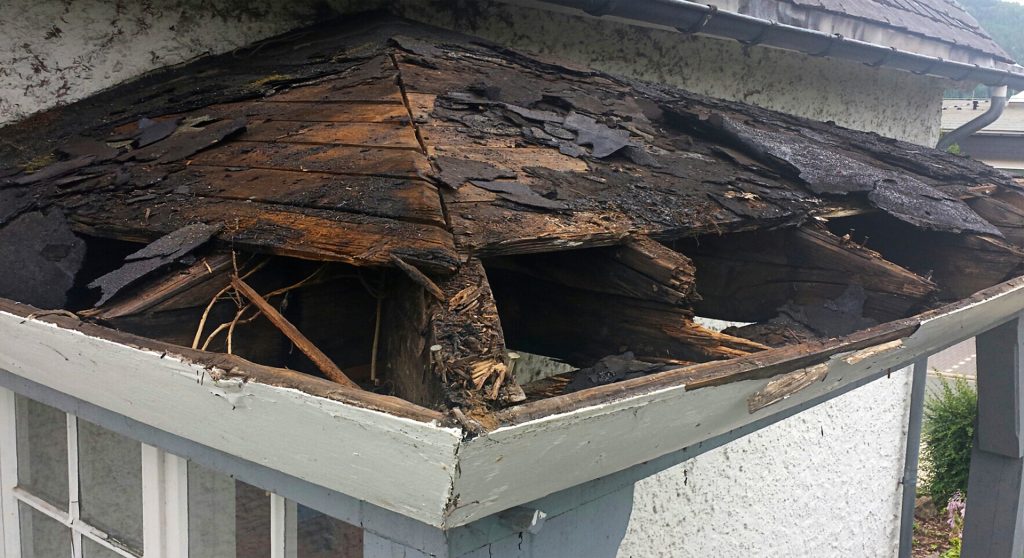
{"points": [[419, 278], [325, 364], [166, 288], [468, 331], [641, 268]]}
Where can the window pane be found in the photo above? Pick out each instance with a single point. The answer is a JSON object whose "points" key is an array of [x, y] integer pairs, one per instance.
{"points": [[110, 479], [321, 536], [41, 535], [42, 451], [226, 518], [93, 549]]}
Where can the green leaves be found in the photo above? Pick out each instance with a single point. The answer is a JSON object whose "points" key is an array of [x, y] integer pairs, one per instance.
{"points": [[947, 435]]}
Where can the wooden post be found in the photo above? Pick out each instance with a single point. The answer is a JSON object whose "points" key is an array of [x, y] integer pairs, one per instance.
{"points": [[994, 526]]}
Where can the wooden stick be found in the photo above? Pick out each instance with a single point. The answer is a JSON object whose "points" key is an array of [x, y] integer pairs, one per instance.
{"points": [[420, 279], [321, 360]]}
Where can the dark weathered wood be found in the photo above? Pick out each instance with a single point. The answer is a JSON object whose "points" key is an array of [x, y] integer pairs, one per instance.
{"points": [[311, 234], [581, 326], [162, 289], [419, 278], [959, 264], [367, 161], [469, 332], [390, 135], [405, 330], [325, 364], [402, 199], [641, 268], [749, 276]]}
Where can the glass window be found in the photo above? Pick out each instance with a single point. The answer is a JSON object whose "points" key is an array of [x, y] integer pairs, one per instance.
{"points": [[322, 536], [110, 481], [226, 518], [93, 549], [41, 535], [42, 434]]}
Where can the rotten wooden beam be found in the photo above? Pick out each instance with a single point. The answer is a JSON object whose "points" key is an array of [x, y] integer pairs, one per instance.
{"points": [[469, 332], [748, 277], [641, 268], [167, 288], [322, 361], [581, 326], [419, 278]]}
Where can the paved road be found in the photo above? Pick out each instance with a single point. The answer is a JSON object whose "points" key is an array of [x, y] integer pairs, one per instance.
{"points": [[956, 361]]}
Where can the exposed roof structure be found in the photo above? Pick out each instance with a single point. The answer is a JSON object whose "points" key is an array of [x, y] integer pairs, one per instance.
{"points": [[408, 221], [493, 201]]}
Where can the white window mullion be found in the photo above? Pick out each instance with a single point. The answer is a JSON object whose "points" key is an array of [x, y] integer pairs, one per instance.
{"points": [[153, 502], [283, 527], [73, 507], [10, 545], [176, 510]]}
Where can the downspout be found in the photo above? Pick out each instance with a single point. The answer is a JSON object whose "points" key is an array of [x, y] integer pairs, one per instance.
{"points": [[909, 480], [995, 110]]}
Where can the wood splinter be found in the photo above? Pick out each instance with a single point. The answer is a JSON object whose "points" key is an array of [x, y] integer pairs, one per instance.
{"points": [[325, 364], [419, 278]]}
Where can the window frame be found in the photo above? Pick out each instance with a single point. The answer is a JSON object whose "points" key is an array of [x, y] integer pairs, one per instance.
{"points": [[158, 501], [164, 500]]}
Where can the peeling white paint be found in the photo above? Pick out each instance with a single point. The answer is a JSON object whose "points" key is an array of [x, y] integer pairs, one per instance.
{"points": [[399, 464]]}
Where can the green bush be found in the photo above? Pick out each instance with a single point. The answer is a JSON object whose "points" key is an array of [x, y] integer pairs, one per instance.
{"points": [[947, 435]]}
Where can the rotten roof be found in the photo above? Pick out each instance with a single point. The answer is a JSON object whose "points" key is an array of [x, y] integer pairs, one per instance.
{"points": [[430, 202]]}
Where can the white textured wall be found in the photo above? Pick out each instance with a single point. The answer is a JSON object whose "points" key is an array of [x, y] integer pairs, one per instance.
{"points": [[823, 483], [894, 104], [57, 51]]}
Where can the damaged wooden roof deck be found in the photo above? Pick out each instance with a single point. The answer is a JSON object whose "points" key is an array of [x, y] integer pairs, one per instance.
{"points": [[414, 222]]}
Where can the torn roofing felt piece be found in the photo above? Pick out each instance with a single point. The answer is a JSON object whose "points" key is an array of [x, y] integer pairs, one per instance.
{"points": [[158, 254], [828, 172], [39, 258]]}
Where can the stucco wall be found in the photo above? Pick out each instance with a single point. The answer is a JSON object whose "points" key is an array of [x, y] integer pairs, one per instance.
{"points": [[825, 482], [57, 51], [895, 104]]}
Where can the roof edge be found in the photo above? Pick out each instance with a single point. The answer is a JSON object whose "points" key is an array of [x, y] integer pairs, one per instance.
{"points": [[693, 18]]}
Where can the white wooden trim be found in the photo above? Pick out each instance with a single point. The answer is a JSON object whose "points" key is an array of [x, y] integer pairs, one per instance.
{"points": [[418, 469], [9, 476], [278, 526], [399, 464], [74, 489], [153, 503], [176, 510], [597, 441]]}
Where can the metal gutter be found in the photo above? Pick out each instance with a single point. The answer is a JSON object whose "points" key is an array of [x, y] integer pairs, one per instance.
{"points": [[691, 17], [995, 109]]}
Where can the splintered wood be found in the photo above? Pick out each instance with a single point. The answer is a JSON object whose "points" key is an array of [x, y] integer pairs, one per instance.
{"points": [[418, 205], [469, 346]]}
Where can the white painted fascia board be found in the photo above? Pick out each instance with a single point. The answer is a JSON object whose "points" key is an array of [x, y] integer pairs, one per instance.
{"points": [[399, 464], [518, 464], [422, 470]]}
